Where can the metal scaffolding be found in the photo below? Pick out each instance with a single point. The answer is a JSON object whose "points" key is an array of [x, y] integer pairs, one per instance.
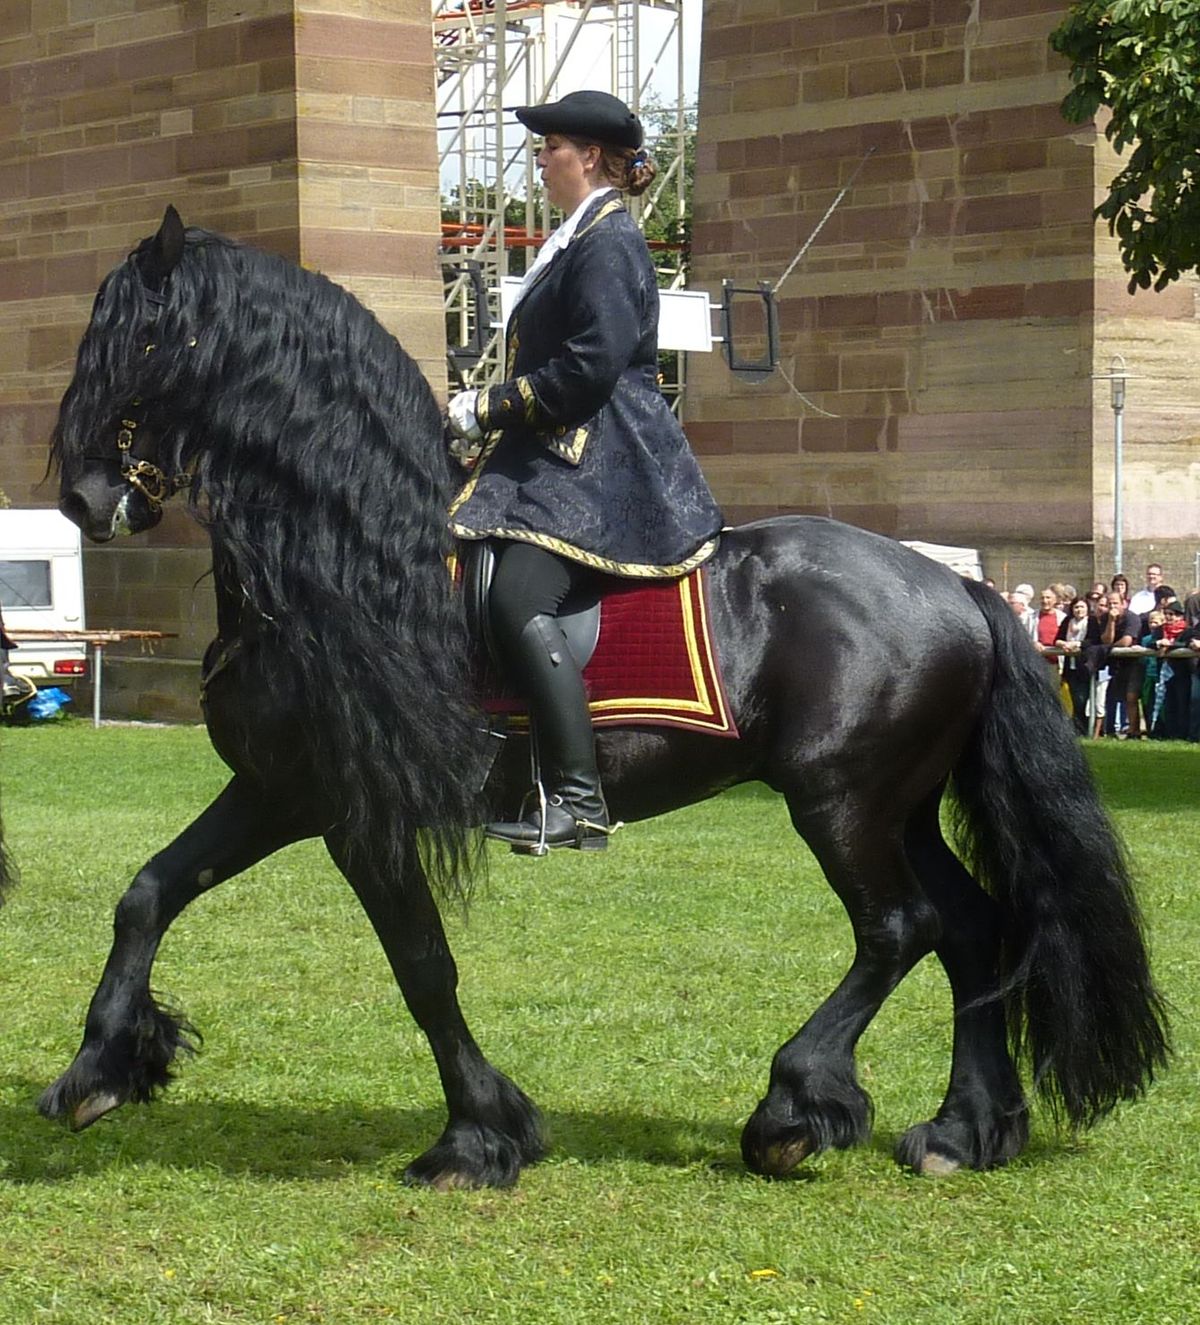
{"points": [[493, 55]]}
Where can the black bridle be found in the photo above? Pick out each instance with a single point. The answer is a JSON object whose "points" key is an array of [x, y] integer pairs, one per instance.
{"points": [[155, 485]]}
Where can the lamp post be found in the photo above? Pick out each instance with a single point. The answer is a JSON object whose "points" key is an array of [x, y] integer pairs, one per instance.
{"points": [[1116, 380], [1116, 377]]}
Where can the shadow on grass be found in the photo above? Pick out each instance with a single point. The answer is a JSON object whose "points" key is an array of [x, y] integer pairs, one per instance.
{"points": [[288, 1142], [327, 1141]]}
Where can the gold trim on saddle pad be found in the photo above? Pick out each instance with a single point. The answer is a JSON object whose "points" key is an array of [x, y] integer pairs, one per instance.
{"points": [[703, 708]]}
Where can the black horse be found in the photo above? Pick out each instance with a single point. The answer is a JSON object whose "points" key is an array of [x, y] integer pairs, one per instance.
{"points": [[864, 679]]}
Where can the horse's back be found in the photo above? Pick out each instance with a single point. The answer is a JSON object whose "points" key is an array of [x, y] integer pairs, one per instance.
{"points": [[842, 650], [847, 566]]}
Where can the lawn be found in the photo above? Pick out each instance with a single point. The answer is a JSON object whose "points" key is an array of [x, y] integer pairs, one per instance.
{"points": [[638, 997]]}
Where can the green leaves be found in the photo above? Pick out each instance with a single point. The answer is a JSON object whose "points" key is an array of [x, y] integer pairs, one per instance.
{"points": [[1141, 59]]}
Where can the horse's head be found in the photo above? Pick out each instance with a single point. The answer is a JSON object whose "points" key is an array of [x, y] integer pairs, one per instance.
{"points": [[111, 436]]}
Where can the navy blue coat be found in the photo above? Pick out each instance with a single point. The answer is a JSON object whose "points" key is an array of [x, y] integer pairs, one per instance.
{"points": [[582, 455]]}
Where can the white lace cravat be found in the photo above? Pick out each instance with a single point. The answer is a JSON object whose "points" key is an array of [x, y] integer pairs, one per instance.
{"points": [[558, 240]]}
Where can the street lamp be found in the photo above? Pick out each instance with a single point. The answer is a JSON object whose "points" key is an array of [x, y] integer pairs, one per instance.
{"points": [[1116, 377]]}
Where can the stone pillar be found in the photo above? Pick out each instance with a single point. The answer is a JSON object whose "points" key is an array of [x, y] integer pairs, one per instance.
{"points": [[302, 126], [941, 336], [370, 209]]}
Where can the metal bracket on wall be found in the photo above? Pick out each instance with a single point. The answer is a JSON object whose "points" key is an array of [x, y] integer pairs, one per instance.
{"points": [[464, 357], [762, 295]]}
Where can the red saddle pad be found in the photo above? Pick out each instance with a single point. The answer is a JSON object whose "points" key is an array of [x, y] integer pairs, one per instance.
{"points": [[655, 663]]}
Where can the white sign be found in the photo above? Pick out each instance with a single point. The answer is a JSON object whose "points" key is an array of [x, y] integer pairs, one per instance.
{"points": [[684, 317]]}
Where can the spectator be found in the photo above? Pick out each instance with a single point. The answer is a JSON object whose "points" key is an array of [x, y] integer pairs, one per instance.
{"points": [[1119, 584], [1151, 686], [1045, 629], [1098, 608], [1175, 685], [1190, 638], [1122, 629], [1019, 600], [1191, 608], [1143, 600], [1079, 638]]}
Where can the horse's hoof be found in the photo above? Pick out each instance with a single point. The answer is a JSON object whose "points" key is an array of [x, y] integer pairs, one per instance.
{"points": [[447, 1180], [933, 1165], [92, 1109], [468, 1157], [780, 1158]]}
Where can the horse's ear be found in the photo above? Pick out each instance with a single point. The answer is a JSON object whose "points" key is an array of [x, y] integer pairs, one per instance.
{"points": [[166, 248]]}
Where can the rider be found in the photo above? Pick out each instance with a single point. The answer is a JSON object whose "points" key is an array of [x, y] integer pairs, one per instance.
{"points": [[584, 470]]}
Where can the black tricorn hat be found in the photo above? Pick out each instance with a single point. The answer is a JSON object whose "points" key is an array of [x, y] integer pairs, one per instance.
{"points": [[596, 116]]}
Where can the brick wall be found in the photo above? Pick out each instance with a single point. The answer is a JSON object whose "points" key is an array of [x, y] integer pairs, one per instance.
{"points": [[302, 126], [952, 312], [370, 210]]}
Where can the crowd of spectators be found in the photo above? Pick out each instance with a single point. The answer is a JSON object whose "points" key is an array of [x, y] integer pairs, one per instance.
{"points": [[1150, 695]]}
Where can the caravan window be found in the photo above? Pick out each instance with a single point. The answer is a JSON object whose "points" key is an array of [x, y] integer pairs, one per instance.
{"points": [[25, 584]]}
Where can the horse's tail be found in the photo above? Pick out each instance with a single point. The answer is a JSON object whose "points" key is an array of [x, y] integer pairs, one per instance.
{"points": [[1079, 997]]}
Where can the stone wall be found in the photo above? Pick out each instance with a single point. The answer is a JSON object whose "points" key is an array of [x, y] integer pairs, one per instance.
{"points": [[303, 126], [939, 339]]}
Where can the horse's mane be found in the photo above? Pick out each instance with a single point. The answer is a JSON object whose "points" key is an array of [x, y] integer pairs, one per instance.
{"points": [[316, 451]]}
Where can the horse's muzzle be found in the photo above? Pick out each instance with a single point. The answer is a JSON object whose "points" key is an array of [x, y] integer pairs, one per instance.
{"points": [[103, 508]]}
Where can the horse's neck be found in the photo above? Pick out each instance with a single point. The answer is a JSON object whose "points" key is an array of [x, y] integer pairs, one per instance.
{"points": [[231, 596]]}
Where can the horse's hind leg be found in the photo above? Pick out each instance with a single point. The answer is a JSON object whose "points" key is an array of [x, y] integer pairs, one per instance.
{"points": [[814, 1100], [983, 1121], [494, 1129], [129, 1040]]}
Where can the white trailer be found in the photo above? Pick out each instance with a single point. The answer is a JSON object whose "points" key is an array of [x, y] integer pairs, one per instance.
{"points": [[41, 589]]}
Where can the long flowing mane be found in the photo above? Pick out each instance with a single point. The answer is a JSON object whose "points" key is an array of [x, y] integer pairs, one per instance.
{"points": [[315, 450]]}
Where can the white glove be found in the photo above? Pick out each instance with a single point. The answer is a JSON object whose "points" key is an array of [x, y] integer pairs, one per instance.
{"points": [[461, 416]]}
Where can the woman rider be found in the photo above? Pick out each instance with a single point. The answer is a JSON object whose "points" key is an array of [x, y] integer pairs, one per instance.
{"points": [[584, 470]]}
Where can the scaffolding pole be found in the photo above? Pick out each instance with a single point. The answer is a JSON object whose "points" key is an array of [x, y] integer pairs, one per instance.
{"points": [[493, 55]]}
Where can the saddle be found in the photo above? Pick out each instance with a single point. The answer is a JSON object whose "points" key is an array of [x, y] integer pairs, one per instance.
{"points": [[579, 617], [644, 647]]}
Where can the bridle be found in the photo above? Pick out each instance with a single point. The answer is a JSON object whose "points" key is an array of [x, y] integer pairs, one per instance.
{"points": [[155, 485]]}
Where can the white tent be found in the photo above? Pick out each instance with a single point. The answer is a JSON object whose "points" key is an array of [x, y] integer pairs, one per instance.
{"points": [[964, 560]]}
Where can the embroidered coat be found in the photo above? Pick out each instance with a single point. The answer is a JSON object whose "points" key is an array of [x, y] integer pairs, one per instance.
{"points": [[582, 454]]}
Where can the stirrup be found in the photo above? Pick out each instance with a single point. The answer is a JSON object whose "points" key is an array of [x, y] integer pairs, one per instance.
{"points": [[589, 835], [572, 831]]}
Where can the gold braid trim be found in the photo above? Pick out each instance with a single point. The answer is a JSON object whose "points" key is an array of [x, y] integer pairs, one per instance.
{"points": [[492, 441], [636, 570], [531, 401], [612, 205], [569, 448]]}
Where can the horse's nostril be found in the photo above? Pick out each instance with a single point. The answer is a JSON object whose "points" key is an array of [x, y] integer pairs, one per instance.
{"points": [[74, 507]]}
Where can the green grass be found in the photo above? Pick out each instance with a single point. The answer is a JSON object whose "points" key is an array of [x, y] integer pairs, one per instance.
{"points": [[637, 997]]}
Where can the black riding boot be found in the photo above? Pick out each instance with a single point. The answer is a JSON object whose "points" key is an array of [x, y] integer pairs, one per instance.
{"points": [[576, 815]]}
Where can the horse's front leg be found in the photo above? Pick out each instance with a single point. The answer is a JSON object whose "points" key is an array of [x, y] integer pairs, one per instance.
{"points": [[130, 1041], [494, 1129]]}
